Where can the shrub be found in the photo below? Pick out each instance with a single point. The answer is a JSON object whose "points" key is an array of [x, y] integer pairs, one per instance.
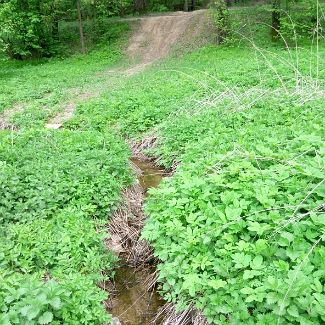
{"points": [[43, 172], [220, 16], [27, 299]]}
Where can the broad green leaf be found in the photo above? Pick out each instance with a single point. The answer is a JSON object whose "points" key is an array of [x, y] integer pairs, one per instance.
{"points": [[46, 318]]}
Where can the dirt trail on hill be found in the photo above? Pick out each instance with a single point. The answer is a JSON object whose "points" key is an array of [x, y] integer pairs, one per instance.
{"points": [[156, 36], [6, 116], [153, 38]]}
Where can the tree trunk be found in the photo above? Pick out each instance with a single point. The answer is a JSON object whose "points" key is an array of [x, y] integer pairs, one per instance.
{"points": [[139, 5], [81, 31], [55, 28], [192, 5], [275, 31], [186, 5]]}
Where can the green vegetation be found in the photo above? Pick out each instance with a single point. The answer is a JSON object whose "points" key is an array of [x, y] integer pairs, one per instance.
{"points": [[57, 189], [36, 29], [41, 86], [247, 240], [238, 229]]}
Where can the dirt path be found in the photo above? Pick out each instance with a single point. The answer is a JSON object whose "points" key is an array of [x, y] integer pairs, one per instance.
{"points": [[153, 38], [156, 36], [6, 116]]}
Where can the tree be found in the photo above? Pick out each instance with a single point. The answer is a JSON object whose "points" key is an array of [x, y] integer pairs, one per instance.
{"points": [[139, 5], [275, 30], [81, 32], [26, 28]]}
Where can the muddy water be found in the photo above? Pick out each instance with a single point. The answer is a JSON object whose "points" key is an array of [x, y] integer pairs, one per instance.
{"points": [[151, 175], [133, 304]]}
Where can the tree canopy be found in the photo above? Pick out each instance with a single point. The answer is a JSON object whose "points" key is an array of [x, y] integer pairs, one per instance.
{"points": [[31, 28]]}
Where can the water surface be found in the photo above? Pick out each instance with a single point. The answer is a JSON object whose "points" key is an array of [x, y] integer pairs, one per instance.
{"points": [[134, 304]]}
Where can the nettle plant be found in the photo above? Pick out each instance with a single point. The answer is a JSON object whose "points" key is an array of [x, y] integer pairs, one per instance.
{"points": [[240, 232], [27, 299], [42, 172]]}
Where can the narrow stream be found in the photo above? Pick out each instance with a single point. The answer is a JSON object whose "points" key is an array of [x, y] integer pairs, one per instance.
{"points": [[133, 304]]}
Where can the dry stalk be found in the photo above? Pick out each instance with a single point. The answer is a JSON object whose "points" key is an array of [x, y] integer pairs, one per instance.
{"points": [[125, 228], [168, 315], [139, 147]]}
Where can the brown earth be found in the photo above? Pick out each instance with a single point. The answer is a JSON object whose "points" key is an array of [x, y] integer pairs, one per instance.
{"points": [[154, 37], [6, 116]]}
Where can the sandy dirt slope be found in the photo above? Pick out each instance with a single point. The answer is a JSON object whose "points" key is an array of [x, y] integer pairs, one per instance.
{"points": [[153, 38], [156, 36]]}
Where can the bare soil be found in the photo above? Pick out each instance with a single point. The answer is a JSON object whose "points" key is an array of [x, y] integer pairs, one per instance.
{"points": [[155, 36], [6, 116]]}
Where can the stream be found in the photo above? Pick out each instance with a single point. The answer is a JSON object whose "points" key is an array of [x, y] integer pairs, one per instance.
{"points": [[133, 304]]}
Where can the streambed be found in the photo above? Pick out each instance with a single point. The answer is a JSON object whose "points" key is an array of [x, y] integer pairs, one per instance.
{"points": [[133, 304]]}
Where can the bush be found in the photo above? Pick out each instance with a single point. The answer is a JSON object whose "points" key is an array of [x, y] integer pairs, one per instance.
{"points": [[27, 299], [57, 189], [220, 16], [43, 172], [25, 31]]}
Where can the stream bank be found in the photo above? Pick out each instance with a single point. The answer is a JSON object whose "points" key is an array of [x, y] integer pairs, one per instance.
{"points": [[133, 297]]}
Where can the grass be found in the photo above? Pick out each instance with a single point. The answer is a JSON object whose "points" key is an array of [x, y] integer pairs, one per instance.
{"points": [[238, 228], [42, 88]]}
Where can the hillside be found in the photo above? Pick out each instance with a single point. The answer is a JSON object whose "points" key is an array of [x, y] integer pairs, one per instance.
{"points": [[161, 179]]}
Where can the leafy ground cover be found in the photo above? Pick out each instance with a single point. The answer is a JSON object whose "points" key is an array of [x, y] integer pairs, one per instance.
{"points": [[57, 190], [239, 228], [40, 88], [244, 215]]}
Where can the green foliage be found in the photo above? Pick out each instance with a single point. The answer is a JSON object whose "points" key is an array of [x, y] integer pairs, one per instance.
{"points": [[26, 299], [43, 86], [55, 186], [237, 238], [300, 21], [68, 169], [68, 242], [25, 31], [220, 16], [99, 33], [31, 28], [238, 228]]}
